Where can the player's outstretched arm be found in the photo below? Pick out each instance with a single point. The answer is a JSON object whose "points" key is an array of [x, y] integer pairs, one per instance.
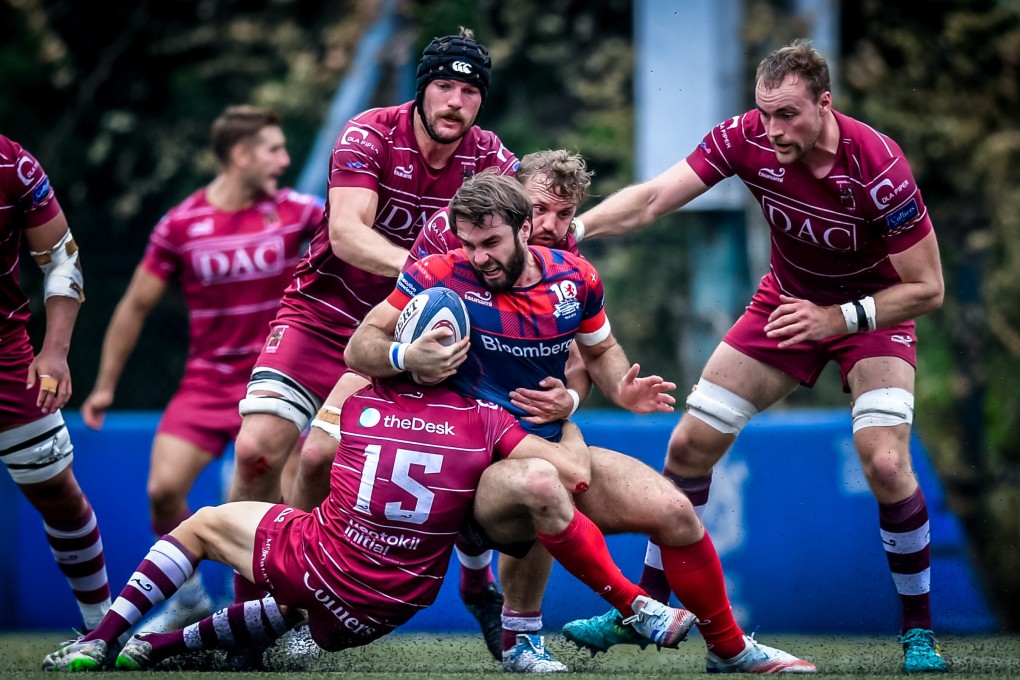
{"points": [[641, 204], [619, 381], [142, 295]]}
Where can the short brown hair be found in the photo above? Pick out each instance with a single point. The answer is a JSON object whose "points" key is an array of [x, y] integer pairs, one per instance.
{"points": [[800, 59], [564, 174], [238, 124], [489, 193]]}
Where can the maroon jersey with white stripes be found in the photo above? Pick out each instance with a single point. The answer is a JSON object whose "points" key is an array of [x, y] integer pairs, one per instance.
{"points": [[831, 237], [377, 150], [26, 201], [232, 268], [403, 481]]}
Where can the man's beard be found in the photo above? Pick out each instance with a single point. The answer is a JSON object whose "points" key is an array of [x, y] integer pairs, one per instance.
{"points": [[512, 271]]}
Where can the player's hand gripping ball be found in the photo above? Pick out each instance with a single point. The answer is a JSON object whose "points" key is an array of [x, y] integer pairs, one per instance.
{"points": [[432, 308]]}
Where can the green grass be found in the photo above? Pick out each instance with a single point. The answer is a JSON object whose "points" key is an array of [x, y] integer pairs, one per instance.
{"points": [[439, 657]]}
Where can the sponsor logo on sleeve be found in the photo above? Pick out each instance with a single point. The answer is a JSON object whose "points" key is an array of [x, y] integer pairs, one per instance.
{"points": [[26, 170], [903, 216], [358, 137], [41, 191]]}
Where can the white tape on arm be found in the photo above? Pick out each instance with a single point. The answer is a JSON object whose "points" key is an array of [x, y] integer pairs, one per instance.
{"points": [[61, 270]]}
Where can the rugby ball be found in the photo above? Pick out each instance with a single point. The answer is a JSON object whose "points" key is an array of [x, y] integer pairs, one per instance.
{"points": [[432, 308]]}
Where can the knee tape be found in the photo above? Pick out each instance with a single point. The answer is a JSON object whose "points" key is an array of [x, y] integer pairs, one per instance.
{"points": [[885, 407], [720, 408], [37, 451], [328, 420], [289, 400]]}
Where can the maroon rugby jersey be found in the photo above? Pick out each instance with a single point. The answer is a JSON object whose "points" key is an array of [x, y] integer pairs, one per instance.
{"points": [[26, 201], [831, 237], [377, 150], [232, 268], [437, 238], [403, 481]]}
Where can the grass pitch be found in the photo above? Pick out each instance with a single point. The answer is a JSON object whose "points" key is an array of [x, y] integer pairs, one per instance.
{"points": [[441, 657]]}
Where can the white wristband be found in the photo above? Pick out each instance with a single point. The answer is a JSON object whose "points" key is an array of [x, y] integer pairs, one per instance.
{"points": [[849, 316], [577, 400], [870, 312], [578, 229], [396, 355], [860, 315]]}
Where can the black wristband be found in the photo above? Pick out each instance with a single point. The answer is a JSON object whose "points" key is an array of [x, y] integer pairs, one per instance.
{"points": [[862, 317]]}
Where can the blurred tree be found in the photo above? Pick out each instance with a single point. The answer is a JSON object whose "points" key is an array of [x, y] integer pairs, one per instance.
{"points": [[945, 83], [117, 106]]}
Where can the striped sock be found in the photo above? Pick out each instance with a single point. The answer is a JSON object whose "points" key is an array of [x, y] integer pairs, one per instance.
{"points": [[247, 624], [165, 569], [905, 537], [77, 547]]}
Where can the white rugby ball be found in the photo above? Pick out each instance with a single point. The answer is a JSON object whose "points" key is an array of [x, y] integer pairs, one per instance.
{"points": [[432, 308]]}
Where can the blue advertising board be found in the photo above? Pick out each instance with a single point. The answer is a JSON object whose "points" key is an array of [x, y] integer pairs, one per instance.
{"points": [[790, 514]]}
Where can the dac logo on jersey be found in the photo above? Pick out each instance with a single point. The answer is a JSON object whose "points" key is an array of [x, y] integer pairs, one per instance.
{"points": [[404, 171], [370, 417], [399, 218], [201, 228], [774, 175], [243, 263], [809, 228], [566, 294]]}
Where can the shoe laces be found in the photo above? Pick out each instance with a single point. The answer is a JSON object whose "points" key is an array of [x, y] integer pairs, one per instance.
{"points": [[918, 636], [651, 610]]}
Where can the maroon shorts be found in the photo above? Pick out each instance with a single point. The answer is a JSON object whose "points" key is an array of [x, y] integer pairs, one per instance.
{"points": [[204, 413], [313, 359], [284, 563], [17, 405], [806, 360]]}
